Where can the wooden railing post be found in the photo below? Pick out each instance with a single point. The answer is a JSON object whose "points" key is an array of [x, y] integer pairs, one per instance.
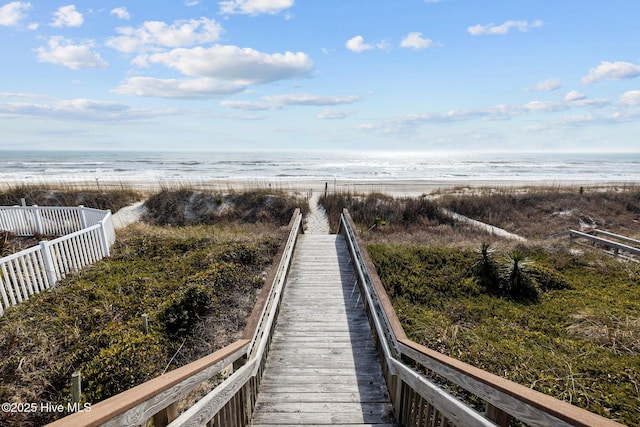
{"points": [[83, 217], [104, 239], [37, 219], [76, 387], [497, 415], [48, 263], [164, 417]]}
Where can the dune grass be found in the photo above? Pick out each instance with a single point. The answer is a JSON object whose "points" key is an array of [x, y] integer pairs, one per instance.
{"points": [[68, 195], [565, 322], [196, 282], [536, 213]]}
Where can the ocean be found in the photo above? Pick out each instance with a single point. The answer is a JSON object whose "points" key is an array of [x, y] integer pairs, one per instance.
{"points": [[132, 166]]}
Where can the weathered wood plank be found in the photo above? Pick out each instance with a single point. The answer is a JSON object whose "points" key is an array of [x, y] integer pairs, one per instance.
{"points": [[323, 368], [324, 425], [365, 393], [373, 396]]}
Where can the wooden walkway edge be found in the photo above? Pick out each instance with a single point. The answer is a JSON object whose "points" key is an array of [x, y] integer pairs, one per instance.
{"points": [[323, 368]]}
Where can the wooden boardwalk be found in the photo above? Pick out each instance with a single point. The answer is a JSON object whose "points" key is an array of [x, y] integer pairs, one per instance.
{"points": [[322, 368]]}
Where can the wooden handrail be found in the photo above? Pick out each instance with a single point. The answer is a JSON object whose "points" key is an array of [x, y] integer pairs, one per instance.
{"points": [[159, 392], [395, 324], [612, 244], [516, 400], [527, 405], [626, 239], [258, 308]]}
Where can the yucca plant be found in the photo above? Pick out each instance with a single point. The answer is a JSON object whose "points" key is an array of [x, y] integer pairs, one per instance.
{"points": [[516, 277], [485, 267]]}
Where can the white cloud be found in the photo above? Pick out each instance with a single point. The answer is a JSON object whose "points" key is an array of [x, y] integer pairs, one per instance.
{"points": [[544, 107], [612, 71], [67, 16], [250, 105], [415, 41], [545, 85], [492, 113], [432, 1], [309, 99], [502, 29], [201, 88], [574, 95], [357, 44], [630, 98], [215, 71], [232, 63], [152, 35], [120, 13], [277, 102], [61, 51], [330, 114], [16, 95], [12, 13], [254, 7], [74, 109]]}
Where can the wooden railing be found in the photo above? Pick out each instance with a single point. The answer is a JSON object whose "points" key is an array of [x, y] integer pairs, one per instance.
{"points": [[616, 247], [419, 402], [231, 403], [87, 237]]}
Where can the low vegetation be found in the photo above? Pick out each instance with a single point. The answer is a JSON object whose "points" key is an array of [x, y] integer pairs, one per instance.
{"points": [[196, 283], [191, 207], [384, 219], [58, 195], [536, 213], [562, 321]]}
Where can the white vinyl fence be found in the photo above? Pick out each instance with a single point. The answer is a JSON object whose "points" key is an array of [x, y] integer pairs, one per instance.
{"points": [[86, 236]]}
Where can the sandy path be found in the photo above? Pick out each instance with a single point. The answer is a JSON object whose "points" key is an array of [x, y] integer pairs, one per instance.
{"points": [[316, 221], [128, 215], [488, 228]]}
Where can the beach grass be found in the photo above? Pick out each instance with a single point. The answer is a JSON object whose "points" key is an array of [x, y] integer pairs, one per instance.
{"points": [[66, 194], [566, 323], [196, 281], [538, 212]]}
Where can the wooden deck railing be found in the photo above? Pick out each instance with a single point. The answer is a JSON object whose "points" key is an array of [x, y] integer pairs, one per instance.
{"points": [[231, 403], [419, 402], [86, 237], [616, 247]]}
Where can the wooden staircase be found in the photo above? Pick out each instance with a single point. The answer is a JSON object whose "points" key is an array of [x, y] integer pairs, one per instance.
{"points": [[323, 368]]}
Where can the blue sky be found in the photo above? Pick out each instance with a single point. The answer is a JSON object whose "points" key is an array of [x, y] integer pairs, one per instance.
{"points": [[441, 75]]}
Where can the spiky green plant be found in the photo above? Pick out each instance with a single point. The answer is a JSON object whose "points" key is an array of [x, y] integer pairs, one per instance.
{"points": [[485, 268], [516, 280]]}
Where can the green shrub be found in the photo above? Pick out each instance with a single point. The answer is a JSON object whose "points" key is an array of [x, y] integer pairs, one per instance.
{"points": [[577, 341], [184, 308], [130, 359]]}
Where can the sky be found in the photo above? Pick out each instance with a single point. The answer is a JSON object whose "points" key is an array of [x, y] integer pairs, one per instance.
{"points": [[425, 75]]}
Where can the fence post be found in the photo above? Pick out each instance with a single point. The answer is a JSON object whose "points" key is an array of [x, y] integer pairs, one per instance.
{"points": [[38, 219], [497, 415], [104, 239], [48, 263], [145, 323], [83, 218], [76, 386]]}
